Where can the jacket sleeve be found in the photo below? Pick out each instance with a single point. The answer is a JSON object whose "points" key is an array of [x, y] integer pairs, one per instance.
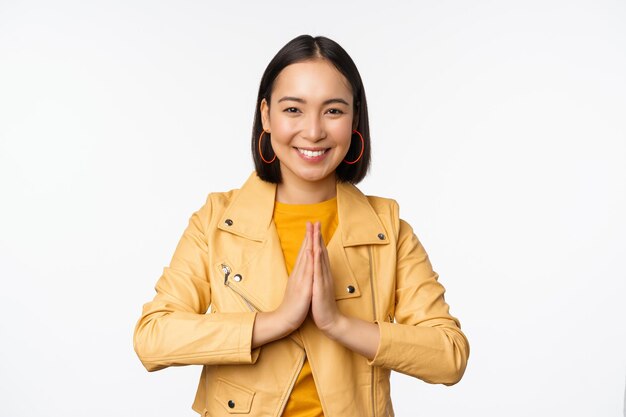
{"points": [[425, 341], [173, 329]]}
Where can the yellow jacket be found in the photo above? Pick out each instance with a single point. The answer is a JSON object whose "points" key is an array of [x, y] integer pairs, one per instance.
{"points": [[229, 258]]}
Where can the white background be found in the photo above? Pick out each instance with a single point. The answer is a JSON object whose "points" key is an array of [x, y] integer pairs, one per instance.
{"points": [[499, 127]]}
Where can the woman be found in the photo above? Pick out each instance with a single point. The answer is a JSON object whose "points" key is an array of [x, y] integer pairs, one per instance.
{"points": [[316, 291]]}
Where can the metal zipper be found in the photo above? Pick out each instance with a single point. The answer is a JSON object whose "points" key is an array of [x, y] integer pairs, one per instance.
{"points": [[226, 271], [373, 390]]}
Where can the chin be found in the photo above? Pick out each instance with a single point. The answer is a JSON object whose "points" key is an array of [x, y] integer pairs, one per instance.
{"points": [[313, 176]]}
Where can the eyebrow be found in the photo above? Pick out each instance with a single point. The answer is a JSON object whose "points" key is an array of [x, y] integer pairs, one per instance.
{"points": [[300, 100]]}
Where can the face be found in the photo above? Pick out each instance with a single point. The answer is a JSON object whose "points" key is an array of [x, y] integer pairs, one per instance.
{"points": [[310, 120]]}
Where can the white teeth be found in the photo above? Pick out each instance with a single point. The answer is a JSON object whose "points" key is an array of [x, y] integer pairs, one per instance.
{"points": [[311, 154]]}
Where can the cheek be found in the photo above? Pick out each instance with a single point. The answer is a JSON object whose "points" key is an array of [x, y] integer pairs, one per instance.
{"points": [[282, 128], [343, 134]]}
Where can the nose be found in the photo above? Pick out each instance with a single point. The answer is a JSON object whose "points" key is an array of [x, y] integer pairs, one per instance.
{"points": [[314, 129]]}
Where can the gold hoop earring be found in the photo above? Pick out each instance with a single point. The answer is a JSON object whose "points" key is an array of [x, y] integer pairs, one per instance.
{"points": [[261, 153], [362, 149]]}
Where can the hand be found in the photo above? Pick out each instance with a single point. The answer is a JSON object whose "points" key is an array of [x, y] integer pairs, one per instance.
{"points": [[324, 310], [311, 285], [297, 298]]}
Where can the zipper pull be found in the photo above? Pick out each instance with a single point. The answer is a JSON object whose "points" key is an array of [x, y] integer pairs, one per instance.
{"points": [[226, 271]]}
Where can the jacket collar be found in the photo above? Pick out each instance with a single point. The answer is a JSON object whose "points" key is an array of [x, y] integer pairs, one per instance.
{"points": [[250, 213]]}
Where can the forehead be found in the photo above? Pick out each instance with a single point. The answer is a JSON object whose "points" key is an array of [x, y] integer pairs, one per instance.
{"points": [[311, 80]]}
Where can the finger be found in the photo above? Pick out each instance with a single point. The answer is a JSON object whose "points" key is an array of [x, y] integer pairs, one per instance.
{"points": [[328, 277], [319, 275], [308, 241], [308, 260], [316, 251], [325, 260], [297, 266], [319, 240]]}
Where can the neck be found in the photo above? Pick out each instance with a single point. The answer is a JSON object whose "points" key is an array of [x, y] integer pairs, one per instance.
{"points": [[294, 190]]}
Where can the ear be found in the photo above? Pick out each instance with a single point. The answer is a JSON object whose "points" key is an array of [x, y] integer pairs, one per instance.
{"points": [[264, 108]]}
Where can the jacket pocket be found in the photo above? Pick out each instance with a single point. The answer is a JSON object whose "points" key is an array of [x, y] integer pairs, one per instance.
{"points": [[235, 398]]}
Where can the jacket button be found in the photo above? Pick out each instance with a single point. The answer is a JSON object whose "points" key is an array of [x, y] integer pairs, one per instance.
{"points": [[381, 236], [228, 222], [237, 277], [231, 403], [350, 289]]}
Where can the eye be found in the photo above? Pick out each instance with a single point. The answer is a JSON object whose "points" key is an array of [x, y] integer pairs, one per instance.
{"points": [[335, 111], [291, 110]]}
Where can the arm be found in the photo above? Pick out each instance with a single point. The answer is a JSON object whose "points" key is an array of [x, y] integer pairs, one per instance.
{"points": [[173, 329], [426, 341], [357, 335]]}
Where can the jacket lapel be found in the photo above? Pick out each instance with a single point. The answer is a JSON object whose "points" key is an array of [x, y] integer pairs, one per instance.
{"points": [[261, 266], [358, 222], [251, 210]]}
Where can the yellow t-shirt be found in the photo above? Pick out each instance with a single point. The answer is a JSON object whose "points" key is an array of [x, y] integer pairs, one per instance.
{"points": [[290, 220]]}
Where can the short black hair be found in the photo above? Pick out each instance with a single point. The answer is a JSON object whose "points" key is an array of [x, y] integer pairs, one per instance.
{"points": [[305, 48]]}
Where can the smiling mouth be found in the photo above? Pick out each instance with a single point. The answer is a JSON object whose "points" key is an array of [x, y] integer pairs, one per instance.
{"points": [[312, 154]]}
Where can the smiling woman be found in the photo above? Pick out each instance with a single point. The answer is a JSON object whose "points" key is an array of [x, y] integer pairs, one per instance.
{"points": [[333, 98], [316, 291], [310, 120]]}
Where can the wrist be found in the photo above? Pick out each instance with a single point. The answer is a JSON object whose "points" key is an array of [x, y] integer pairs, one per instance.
{"points": [[338, 327], [284, 325]]}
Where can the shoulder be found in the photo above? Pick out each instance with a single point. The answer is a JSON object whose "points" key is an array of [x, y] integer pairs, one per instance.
{"points": [[214, 205], [388, 210], [219, 200], [383, 205]]}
